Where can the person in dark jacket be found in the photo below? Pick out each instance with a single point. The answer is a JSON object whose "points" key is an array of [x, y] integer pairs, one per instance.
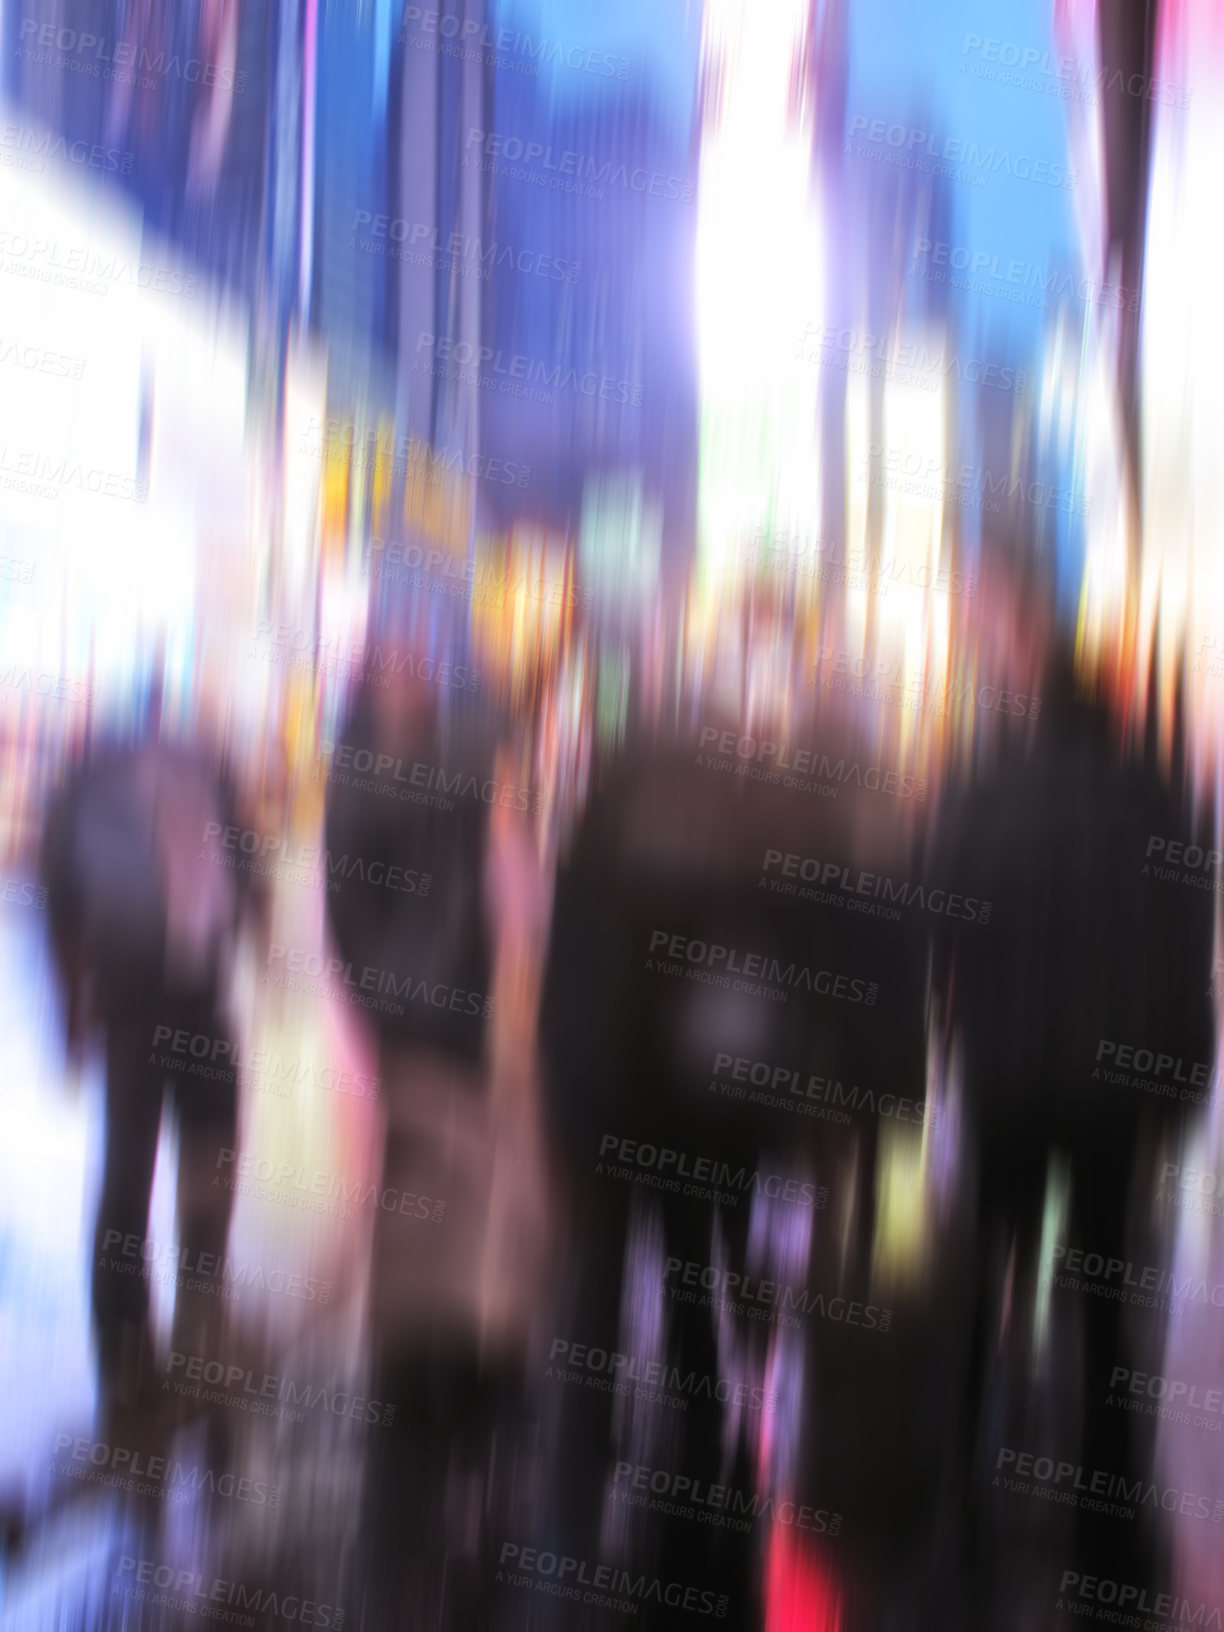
{"points": [[675, 965], [412, 787], [1086, 949], [143, 913]]}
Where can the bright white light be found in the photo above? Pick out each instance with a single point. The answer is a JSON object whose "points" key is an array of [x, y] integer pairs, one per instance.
{"points": [[759, 256], [81, 279]]}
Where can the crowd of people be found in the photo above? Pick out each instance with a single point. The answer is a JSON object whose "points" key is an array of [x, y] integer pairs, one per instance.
{"points": [[765, 1131]]}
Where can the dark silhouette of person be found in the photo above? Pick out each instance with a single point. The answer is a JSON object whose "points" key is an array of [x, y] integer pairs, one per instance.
{"points": [[410, 790], [1085, 946], [143, 914], [665, 933]]}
